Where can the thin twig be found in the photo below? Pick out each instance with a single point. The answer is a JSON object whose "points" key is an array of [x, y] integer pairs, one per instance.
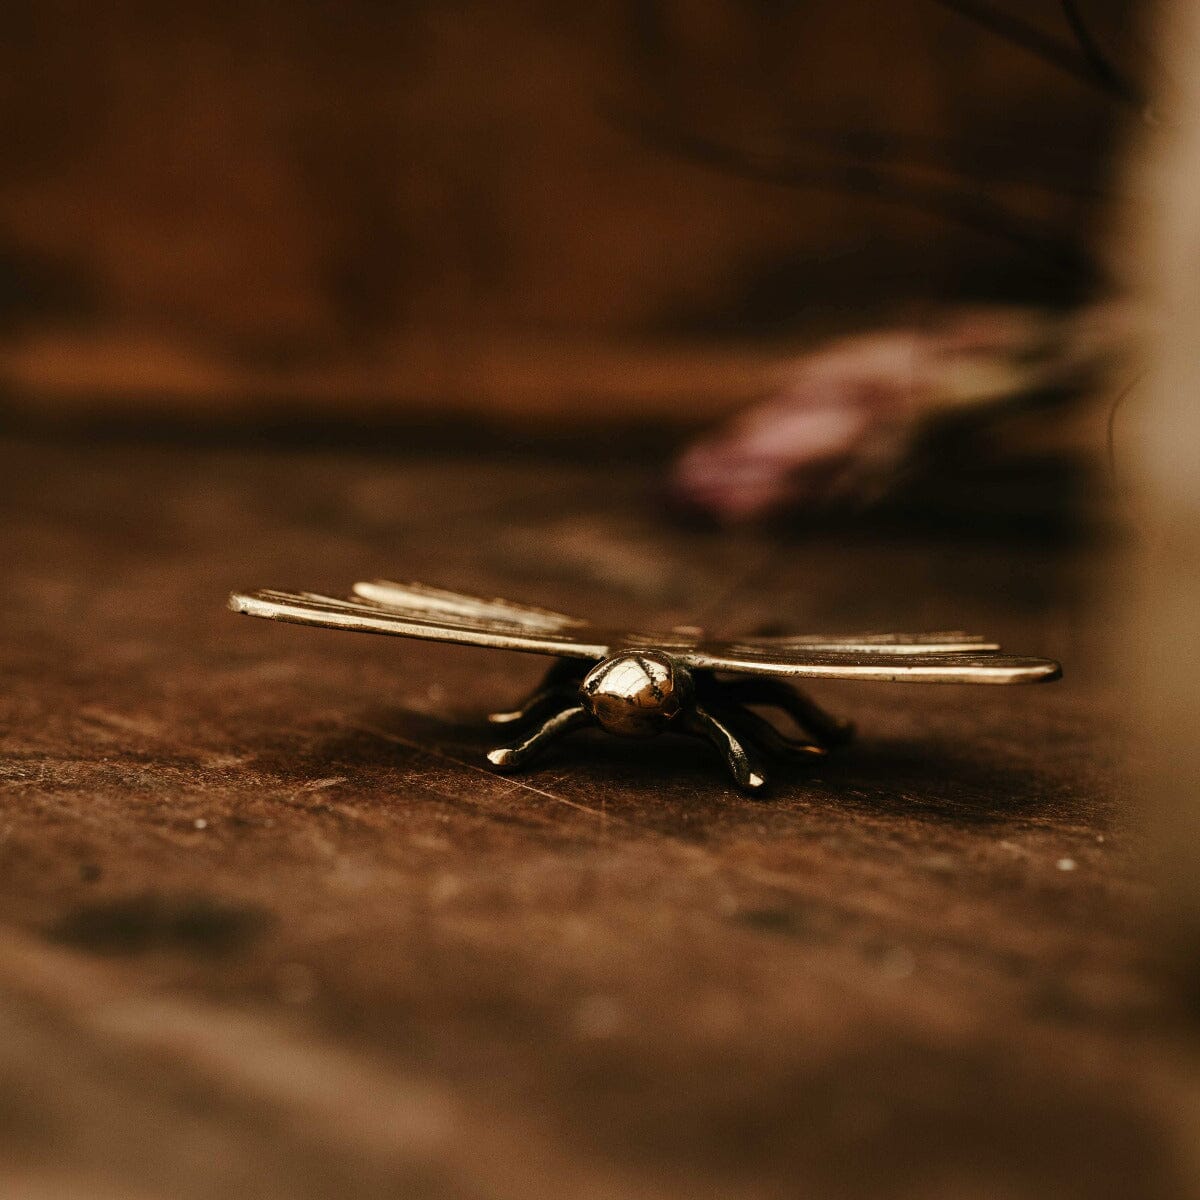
{"points": [[1111, 427], [1057, 52], [1102, 66], [966, 210], [904, 151]]}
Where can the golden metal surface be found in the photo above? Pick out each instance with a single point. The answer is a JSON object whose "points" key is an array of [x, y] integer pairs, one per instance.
{"points": [[636, 695], [640, 684]]}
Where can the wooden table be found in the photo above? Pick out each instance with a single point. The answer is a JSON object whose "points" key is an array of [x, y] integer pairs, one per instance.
{"points": [[270, 930]]}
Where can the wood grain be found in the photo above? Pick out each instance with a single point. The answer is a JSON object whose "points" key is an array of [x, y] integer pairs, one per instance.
{"points": [[269, 929]]}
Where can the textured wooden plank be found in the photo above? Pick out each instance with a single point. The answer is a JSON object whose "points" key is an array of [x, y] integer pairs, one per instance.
{"points": [[247, 869]]}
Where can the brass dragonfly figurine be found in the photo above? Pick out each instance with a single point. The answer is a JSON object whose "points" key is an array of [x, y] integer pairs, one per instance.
{"points": [[637, 685]]}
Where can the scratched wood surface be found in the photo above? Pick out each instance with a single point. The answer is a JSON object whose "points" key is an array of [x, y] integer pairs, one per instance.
{"points": [[267, 929]]}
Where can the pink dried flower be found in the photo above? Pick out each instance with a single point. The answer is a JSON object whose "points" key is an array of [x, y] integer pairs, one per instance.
{"points": [[843, 427]]}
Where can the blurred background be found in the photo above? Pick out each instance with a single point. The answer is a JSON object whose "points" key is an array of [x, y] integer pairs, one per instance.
{"points": [[621, 211]]}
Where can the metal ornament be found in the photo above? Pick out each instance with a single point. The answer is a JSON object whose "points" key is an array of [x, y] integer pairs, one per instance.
{"points": [[638, 685]]}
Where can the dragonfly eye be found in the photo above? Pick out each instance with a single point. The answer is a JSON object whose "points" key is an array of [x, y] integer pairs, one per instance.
{"points": [[636, 694]]}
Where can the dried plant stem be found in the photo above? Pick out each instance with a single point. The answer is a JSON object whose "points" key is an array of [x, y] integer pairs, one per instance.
{"points": [[967, 210], [1102, 66], [1081, 59]]}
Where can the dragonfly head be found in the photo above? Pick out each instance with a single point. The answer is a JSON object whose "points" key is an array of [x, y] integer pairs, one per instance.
{"points": [[637, 694]]}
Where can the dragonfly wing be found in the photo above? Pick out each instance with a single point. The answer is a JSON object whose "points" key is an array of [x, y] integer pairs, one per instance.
{"points": [[428, 603], [882, 665], [417, 611], [364, 616], [878, 643]]}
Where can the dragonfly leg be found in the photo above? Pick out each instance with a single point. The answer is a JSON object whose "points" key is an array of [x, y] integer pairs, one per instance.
{"points": [[568, 716], [827, 729], [560, 683], [537, 707], [740, 757], [764, 734]]}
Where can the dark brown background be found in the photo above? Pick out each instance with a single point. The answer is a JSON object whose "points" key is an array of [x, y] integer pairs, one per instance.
{"points": [[399, 204]]}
